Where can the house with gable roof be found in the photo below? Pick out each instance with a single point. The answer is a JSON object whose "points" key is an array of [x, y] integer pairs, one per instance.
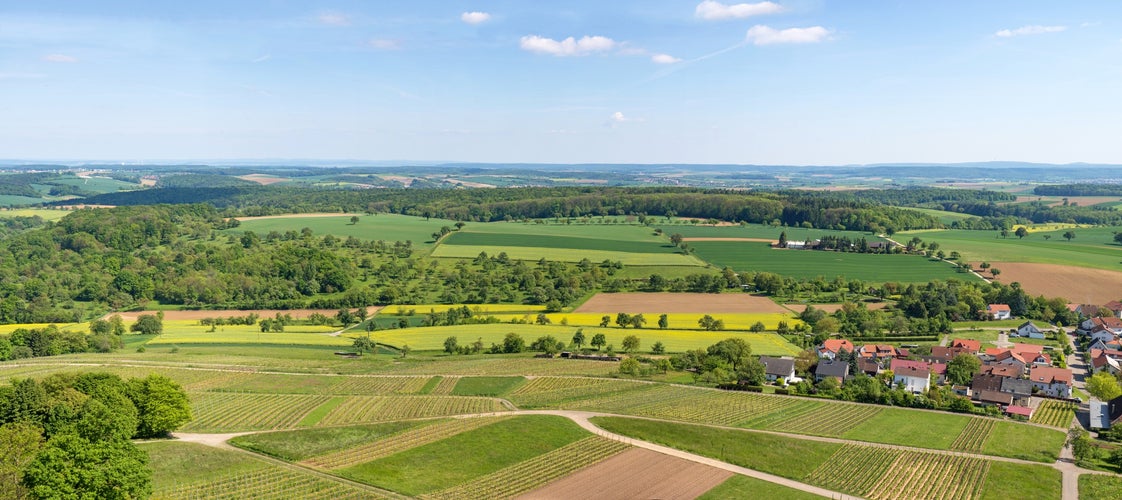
{"points": [[1030, 330], [999, 311], [1055, 382], [832, 347]]}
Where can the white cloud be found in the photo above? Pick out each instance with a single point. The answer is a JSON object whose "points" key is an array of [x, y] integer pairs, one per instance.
{"points": [[1030, 30], [567, 47], [712, 11], [618, 117], [664, 59], [475, 17], [60, 58], [262, 59], [766, 35], [384, 44], [334, 19]]}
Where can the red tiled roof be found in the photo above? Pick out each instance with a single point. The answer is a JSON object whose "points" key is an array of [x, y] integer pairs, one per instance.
{"points": [[912, 371], [1114, 305], [974, 345], [1022, 349], [1001, 370], [1019, 410], [1050, 375], [998, 307], [904, 364], [836, 345]]}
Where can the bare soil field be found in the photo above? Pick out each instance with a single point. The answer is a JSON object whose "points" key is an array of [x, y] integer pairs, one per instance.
{"points": [[296, 216], [764, 240], [1076, 284], [611, 303], [262, 179], [636, 473], [832, 308], [228, 313]]}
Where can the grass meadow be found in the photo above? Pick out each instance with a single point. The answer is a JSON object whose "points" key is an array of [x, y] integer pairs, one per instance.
{"points": [[386, 227], [1091, 247], [875, 268], [760, 231]]}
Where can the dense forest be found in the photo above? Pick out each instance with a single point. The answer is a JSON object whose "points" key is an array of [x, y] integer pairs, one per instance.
{"points": [[1079, 190]]}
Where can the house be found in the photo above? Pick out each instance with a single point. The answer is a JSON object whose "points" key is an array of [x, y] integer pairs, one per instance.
{"points": [[835, 369], [1109, 323], [778, 368], [1001, 371], [999, 311], [942, 354], [868, 367], [832, 347], [986, 382], [1085, 310], [972, 346], [796, 245], [1100, 333], [993, 397], [1030, 330], [1102, 362], [1009, 358], [1019, 411], [1115, 308], [912, 378], [1020, 388], [1104, 345], [877, 352], [938, 369], [1055, 382], [1100, 414], [1114, 411]]}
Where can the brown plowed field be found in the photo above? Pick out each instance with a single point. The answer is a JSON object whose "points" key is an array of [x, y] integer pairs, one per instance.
{"points": [[1076, 284], [705, 303], [636, 473], [228, 313], [264, 180]]}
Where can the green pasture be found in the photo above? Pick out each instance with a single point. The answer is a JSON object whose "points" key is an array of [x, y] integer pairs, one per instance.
{"points": [[303, 444], [876, 268], [942, 215], [468, 455], [1092, 247], [13, 200], [175, 462], [748, 488], [432, 338], [624, 232], [567, 255], [470, 238], [96, 184], [44, 213], [1100, 487], [386, 227], [760, 231]]}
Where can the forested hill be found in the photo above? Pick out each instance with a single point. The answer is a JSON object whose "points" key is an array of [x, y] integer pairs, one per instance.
{"points": [[789, 207]]}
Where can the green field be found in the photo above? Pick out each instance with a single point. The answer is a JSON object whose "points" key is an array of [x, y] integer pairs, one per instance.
{"points": [[1091, 247], [876, 268], [432, 338], [46, 214], [299, 445], [760, 231], [385, 227], [567, 255], [469, 238], [1100, 487], [943, 216]]}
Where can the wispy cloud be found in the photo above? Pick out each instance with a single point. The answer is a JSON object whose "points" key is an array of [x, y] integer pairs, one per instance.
{"points": [[664, 59], [384, 44], [475, 17], [711, 10], [60, 58], [766, 35], [262, 59], [1029, 30], [334, 19], [568, 47]]}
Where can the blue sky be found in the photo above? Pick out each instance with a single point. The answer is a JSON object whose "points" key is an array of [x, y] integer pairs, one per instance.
{"points": [[650, 81]]}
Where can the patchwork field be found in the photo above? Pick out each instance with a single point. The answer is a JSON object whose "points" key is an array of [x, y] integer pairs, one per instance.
{"points": [[1083, 285], [611, 303], [874, 268]]}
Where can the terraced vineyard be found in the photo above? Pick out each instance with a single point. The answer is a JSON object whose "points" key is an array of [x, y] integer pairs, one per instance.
{"points": [[445, 386], [391, 444], [379, 385], [891, 474], [267, 484], [226, 412], [838, 473], [928, 476], [530, 474], [363, 409], [1054, 413], [973, 436], [835, 421], [543, 391]]}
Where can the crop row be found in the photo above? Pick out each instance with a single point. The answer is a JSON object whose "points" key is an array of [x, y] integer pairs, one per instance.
{"points": [[543, 391], [1054, 413], [388, 445], [854, 469], [495, 366], [271, 483], [218, 411], [711, 407], [378, 385], [445, 386], [930, 476], [627, 400], [974, 435], [830, 420], [530, 474], [361, 409]]}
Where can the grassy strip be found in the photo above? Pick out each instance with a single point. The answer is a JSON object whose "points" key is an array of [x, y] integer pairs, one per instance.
{"points": [[485, 386], [430, 385], [1043, 481], [750, 488], [173, 462], [313, 417], [786, 457], [467, 456], [303, 444], [910, 428], [1099, 487], [1026, 442]]}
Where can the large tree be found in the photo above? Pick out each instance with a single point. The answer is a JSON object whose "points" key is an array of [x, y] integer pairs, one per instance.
{"points": [[1104, 386], [73, 467], [962, 368], [162, 405]]}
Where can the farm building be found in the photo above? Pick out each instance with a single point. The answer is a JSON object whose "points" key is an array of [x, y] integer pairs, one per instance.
{"points": [[1100, 414], [1030, 330], [999, 311], [1019, 411]]}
